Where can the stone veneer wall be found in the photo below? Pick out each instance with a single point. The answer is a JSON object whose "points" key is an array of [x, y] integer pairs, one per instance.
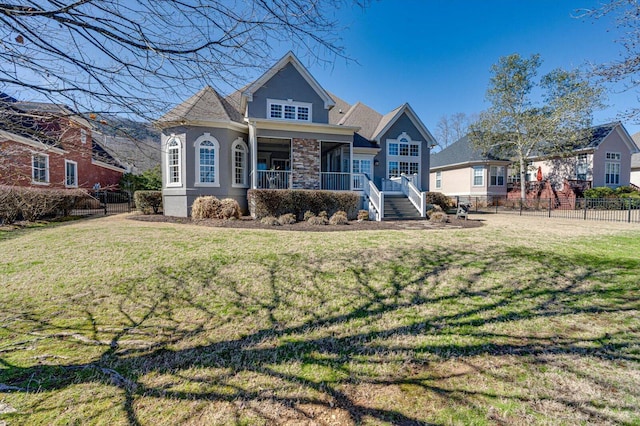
{"points": [[305, 167]]}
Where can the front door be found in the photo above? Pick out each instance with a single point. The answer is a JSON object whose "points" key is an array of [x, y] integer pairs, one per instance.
{"points": [[361, 167]]}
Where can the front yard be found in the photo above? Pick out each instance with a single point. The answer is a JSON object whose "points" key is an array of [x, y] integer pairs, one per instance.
{"points": [[524, 320]]}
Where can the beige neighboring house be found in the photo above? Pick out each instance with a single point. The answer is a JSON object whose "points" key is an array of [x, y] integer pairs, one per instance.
{"points": [[635, 162], [603, 159], [460, 170]]}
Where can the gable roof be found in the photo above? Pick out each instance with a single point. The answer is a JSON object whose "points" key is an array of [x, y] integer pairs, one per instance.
{"points": [[206, 105], [460, 152], [339, 110], [98, 153], [360, 115], [289, 58], [387, 121]]}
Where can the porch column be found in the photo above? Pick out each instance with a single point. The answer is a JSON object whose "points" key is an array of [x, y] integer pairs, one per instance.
{"points": [[253, 142], [305, 163]]}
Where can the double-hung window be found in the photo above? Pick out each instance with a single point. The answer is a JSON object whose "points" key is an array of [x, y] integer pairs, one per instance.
{"points": [[173, 162], [582, 167], [288, 110], [438, 180], [40, 168], [612, 169], [71, 174], [478, 176], [497, 175]]}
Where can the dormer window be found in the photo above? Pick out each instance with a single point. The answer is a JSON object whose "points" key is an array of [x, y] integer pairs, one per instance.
{"points": [[288, 110]]}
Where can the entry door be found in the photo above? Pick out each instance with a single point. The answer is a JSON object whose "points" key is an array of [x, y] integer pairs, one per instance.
{"points": [[361, 166]]}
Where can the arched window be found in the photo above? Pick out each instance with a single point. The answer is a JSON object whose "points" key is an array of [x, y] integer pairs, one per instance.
{"points": [[173, 162], [207, 159], [239, 157]]}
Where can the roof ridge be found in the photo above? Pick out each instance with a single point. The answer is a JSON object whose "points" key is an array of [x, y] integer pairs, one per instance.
{"points": [[349, 112]]}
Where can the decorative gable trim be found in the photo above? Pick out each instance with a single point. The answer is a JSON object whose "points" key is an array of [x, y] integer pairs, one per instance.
{"points": [[406, 108], [289, 58]]}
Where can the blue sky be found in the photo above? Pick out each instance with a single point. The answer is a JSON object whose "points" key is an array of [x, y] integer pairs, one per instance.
{"points": [[437, 54]]}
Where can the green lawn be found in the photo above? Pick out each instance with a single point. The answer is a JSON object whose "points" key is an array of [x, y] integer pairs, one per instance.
{"points": [[114, 321]]}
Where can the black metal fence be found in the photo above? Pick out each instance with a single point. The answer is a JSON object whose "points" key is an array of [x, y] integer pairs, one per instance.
{"points": [[604, 209], [104, 203]]}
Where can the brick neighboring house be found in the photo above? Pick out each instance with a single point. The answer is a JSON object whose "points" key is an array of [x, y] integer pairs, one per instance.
{"points": [[49, 146]]}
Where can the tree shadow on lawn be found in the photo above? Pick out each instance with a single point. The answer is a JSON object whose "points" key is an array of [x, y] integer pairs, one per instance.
{"points": [[375, 337]]}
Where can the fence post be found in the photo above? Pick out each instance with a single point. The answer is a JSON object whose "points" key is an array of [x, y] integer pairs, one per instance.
{"points": [[104, 197], [584, 200], [521, 206], [549, 206], [629, 216]]}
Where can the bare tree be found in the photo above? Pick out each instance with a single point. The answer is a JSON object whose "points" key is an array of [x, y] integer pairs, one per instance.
{"points": [[134, 56], [451, 128], [626, 70]]}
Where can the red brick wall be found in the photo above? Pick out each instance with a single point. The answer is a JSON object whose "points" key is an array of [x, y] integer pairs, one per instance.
{"points": [[15, 162]]}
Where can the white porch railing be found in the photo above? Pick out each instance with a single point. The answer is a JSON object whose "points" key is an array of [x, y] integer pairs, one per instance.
{"points": [[335, 181], [273, 179], [359, 181], [417, 198], [392, 185]]}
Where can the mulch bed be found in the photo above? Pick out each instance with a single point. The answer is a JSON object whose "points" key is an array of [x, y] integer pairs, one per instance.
{"points": [[247, 222]]}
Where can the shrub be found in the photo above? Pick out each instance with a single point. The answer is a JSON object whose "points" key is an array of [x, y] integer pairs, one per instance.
{"points": [[229, 209], [318, 220], [323, 214], [599, 192], [439, 199], [276, 202], [308, 215], [339, 218], [438, 217], [36, 203], [148, 201], [363, 215], [270, 221], [287, 219], [206, 207]]}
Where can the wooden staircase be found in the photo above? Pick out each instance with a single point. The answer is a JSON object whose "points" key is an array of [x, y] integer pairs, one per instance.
{"points": [[398, 207]]}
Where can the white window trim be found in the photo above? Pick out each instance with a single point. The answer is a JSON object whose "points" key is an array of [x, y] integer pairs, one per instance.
{"points": [[206, 137], [234, 147], [179, 148], [613, 156], [438, 180], [289, 102], [33, 180], [619, 174], [83, 136], [404, 158], [473, 176], [75, 184]]}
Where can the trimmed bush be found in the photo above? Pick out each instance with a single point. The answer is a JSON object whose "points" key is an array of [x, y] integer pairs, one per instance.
{"points": [[276, 202], [287, 219], [318, 220], [339, 218], [229, 209], [148, 201], [363, 215], [269, 221], [599, 192], [32, 204], [308, 215], [439, 199], [438, 217], [323, 214]]}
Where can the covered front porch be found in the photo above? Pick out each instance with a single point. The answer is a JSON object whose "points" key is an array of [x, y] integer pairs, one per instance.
{"points": [[297, 163]]}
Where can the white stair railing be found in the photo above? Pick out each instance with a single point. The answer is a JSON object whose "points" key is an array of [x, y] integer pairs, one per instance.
{"points": [[376, 198], [417, 198]]}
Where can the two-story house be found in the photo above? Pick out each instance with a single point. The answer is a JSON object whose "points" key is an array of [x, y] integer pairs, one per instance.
{"points": [[49, 146], [285, 131]]}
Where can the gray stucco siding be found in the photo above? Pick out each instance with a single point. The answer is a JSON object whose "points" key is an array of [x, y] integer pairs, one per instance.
{"points": [[288, 84], [402, 124]]}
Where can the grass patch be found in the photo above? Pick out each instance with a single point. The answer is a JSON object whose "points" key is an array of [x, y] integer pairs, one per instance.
{"points": [[112, 321]]}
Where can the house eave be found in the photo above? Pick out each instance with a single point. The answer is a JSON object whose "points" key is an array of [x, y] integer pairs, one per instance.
{"points": [[365, 150], [219, 124], [33, 144], [333, 129], [466, 164], [107, 166]]}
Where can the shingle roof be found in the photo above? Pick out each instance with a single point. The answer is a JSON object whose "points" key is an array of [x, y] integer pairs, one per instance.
{"points": [[360, 115], [461, 151], [339, 110], [206, 105], [98, 153], [598, 134], [385, 119]]}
